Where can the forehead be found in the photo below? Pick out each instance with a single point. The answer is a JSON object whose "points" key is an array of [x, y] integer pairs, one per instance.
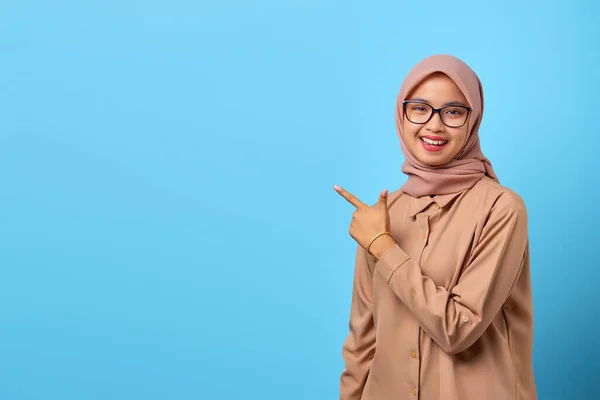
{"points": [[438, 89]]}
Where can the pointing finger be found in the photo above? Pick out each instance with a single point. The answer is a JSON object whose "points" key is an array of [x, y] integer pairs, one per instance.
{"points": [[352, 199]]}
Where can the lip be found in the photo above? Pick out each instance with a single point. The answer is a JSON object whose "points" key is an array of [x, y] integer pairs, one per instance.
{"points": [[430, 147], [430, 137]]}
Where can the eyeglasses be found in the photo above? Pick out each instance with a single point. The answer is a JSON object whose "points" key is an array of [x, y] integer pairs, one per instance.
{"points": [[419, 112]]}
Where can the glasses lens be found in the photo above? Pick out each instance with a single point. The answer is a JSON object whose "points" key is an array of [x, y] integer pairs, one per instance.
{"points": [[418, 113], [454, 116]]}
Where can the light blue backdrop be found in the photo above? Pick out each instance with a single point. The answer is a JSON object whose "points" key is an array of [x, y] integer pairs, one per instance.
{"points": [[168, 227]]}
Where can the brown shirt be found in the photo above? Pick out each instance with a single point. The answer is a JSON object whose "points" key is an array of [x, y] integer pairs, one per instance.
{"points": [[446, 313]]}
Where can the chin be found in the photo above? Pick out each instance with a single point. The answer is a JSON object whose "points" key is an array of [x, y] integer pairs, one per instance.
{"points": [[434, 163], [434, 160]]}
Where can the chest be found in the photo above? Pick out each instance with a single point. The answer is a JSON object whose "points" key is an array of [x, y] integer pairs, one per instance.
{"points": [[439, 239]]}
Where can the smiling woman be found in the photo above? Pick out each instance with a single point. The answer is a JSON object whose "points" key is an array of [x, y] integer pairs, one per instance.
{"points": [[441, 302]]}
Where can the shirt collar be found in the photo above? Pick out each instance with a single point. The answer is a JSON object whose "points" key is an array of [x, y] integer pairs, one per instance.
{"points": [[418, 204]]}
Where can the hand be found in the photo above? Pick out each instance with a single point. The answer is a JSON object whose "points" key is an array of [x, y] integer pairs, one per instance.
{"points": [[368, 221]]}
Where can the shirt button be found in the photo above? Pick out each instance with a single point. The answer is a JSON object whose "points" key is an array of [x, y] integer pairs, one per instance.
{"points": [[413, 354], [414, 392]]}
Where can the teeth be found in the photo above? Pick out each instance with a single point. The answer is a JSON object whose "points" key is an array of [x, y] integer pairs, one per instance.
{"points": [[434, 142]]}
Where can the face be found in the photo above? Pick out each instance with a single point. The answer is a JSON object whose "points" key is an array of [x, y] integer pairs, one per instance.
{"points": [[433, 143]]}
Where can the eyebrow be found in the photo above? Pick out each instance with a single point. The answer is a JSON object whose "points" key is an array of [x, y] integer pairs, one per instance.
{"points": [[452, 103]]}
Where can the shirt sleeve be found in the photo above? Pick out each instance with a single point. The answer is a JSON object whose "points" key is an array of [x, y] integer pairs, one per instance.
{"points": [[456, 318], [359, 347]]}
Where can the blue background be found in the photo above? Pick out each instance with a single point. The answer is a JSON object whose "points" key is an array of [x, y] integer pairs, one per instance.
{"points": [[168, 227]]}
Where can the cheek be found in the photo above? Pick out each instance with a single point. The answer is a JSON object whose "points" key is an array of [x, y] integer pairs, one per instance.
{"points": [[462, 137], [410, 130], [459, 137]]}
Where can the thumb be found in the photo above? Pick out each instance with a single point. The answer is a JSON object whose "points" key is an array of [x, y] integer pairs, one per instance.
{"points": [[383, 199]]}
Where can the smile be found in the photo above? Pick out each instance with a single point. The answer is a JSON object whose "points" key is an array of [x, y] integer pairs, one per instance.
{"points": [[434, 142], [433, 145]]}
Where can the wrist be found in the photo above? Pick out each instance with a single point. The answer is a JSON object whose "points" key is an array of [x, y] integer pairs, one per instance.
{"points": [[381, 245]]}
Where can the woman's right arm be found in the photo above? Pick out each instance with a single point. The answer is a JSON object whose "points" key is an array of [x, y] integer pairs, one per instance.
{"points": [[359, 347]]}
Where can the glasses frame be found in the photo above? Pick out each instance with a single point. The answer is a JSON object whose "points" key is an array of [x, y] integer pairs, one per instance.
{"points": [[434, 111]]}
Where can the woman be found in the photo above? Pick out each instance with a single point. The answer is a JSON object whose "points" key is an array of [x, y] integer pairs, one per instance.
{"points": [[441, 303]]}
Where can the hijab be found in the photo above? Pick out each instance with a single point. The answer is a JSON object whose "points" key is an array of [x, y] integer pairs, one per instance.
{"points": [[469, 165]]}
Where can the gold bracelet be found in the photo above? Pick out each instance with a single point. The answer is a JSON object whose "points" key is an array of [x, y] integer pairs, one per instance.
{"points": [[376, 236]]}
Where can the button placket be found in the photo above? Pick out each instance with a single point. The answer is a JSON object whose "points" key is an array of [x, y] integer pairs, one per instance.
{"points": [[423, 222], [413, 361]]}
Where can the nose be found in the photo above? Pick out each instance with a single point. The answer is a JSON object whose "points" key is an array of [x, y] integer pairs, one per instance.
{"points": [[435, 122]]}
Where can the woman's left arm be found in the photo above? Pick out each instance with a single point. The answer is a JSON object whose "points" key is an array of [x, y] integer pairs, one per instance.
{"points": [[455, 319]]}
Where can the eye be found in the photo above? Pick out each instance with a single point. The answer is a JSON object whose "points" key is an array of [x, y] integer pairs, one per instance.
{"points": [[418, 108], [455, 111]]}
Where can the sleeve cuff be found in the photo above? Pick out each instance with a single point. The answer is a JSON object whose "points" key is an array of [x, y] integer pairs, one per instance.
{"points": [[390, 261]]}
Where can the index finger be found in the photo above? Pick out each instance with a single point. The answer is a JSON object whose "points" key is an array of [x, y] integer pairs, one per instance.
{"points": [[352, 199]]}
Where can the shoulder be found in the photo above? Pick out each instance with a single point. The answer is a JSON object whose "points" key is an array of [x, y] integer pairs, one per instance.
{"points": [[396, 195], [398, 201], [498, 198]]}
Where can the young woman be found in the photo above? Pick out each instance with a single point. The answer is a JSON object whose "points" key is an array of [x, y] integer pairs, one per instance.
{"points": [[441, 302]]}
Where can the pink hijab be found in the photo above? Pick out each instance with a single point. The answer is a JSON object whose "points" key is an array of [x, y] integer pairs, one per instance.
{"points": [[469, 165]]}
